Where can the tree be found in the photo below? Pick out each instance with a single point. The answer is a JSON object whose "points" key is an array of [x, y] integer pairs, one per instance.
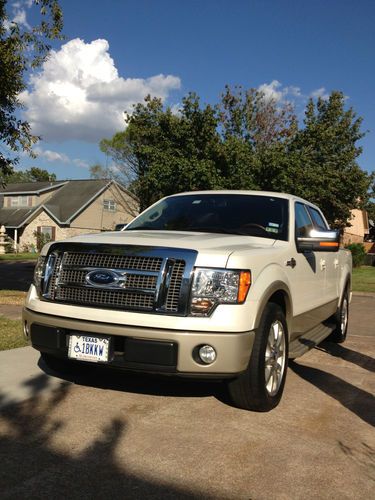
{"points": [[247, 141], [35, 174], [21, 49], [326, 153], [161, 153], [257, 130]]}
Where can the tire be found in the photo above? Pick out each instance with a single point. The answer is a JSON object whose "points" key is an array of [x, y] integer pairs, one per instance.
{"points": [[340, 320], [261, 386], [60, 365]]}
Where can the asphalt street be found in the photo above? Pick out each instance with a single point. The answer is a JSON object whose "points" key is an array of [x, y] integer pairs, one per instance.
{"points": [[127, 436]]}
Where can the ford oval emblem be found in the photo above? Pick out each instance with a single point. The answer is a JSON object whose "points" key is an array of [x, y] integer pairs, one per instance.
{"points": [[101, 277]]}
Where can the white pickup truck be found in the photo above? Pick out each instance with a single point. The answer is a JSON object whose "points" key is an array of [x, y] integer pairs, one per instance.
{"points": [[221, 284]]}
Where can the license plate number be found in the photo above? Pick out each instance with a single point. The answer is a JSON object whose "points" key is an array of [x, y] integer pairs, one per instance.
{"points": [[88, 348]]}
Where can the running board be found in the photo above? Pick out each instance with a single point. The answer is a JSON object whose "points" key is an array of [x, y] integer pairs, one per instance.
{"points": [[309, 340]]}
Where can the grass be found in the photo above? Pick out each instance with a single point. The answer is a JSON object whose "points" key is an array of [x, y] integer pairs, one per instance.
{"points": [[11, 335], [364, 279], [12, 297], [19, 256]]}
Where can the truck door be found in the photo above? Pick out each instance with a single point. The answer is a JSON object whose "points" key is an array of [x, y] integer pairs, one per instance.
{"points": [[329, 260], [308, 281]]}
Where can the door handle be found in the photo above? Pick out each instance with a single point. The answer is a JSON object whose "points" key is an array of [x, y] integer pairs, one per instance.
{"points": [[323, 264], [292, 263]]}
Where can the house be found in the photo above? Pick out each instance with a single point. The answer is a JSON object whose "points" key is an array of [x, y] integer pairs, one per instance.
{"points": [[358, 229], [61, 209]]}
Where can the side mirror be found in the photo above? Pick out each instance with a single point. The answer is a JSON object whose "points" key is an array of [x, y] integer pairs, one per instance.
{"points": [[319, 241]]}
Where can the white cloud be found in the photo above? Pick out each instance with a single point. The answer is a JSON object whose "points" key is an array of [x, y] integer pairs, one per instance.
{"points": [[321, 92], [54, 156], [276, 92], [51, 155], [80, 163], [272, 91], [79, 94], [19, 15]]}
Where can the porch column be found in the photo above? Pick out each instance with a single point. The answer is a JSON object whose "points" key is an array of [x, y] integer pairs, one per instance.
{"points": [[15, 239]]}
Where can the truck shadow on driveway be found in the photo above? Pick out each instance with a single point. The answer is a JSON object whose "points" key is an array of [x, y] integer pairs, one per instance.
{"points": [[33, 467], [141, 383], [358, 401], [357, 358]]}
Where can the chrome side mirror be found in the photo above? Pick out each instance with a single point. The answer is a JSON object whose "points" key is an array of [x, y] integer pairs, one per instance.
{"points": [[319, 241]]}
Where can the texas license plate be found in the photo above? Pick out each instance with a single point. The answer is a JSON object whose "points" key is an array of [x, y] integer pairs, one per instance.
{"points": [[88, 348]]}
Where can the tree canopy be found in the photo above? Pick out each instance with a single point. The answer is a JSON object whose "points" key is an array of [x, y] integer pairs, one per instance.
{"points": [[246, 141], [21, 49], [34, 174]]}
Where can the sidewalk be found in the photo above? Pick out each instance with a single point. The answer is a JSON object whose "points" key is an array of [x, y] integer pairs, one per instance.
{"points": [[10, 311]]}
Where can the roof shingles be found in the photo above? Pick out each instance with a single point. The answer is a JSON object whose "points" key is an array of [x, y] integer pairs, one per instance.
{"points": [[63, 205]]}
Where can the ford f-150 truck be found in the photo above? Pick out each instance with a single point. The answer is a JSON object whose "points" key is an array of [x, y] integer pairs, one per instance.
{"points": [[221, 284]]}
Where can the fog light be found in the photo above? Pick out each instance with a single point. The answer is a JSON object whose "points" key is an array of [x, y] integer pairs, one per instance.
{"points": [[207, 354], [26, 330]]}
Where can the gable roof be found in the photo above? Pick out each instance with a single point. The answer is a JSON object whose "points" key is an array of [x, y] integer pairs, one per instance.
{"points": [[15, 217], [18, 188], [67, 202], [72, 198]]}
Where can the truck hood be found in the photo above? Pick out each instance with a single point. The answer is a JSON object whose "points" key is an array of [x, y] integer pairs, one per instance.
{"points": [[213, 249]]}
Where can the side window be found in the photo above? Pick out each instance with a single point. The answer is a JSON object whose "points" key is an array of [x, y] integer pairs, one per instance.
{"points": [[317, 219], [303, 221]]}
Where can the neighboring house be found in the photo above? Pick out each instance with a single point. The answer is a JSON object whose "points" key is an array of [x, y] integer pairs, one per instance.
{"points": [[359, 228], [61, 209]]}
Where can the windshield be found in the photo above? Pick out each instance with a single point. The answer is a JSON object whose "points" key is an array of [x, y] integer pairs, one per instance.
{"points": [[250, 215]]}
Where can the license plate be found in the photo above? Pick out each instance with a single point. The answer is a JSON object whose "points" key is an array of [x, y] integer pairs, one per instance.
{"points": [[88, 348]]}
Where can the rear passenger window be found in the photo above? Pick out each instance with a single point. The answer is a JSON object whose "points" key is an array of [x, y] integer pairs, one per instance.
{"points": [[303, 221], [317, 219]]}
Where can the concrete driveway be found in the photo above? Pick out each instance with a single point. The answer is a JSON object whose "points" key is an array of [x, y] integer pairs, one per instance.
{"points": [[124, 436]]}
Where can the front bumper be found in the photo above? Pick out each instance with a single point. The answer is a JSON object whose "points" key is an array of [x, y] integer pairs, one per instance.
{"points": [[146, 349]]}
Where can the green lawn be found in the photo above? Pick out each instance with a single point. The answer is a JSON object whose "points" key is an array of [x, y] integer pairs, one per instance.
{"points": [[19, 256], [11, 335], [12, 297], [364, 279]]}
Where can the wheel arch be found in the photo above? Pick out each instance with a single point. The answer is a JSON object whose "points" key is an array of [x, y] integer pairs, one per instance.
{"points": [[278, 293]]}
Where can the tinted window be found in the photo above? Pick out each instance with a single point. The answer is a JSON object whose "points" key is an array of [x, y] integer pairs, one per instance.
{"points": [[317, 219], [263, 216], [303, 221]]}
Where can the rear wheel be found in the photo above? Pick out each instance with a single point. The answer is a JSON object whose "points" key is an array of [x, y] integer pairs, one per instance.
{"points": [[341, 319], [261, 386]]}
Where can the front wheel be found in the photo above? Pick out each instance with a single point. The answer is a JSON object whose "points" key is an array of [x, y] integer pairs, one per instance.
{"points": [[261, 386]]}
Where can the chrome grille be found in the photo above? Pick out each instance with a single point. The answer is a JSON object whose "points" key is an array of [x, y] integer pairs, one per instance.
{"points": [[155, 283], [110, 261], [173, 295], [106, 298], [74, 277]]}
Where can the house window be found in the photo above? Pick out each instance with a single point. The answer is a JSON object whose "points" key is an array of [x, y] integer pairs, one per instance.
{"points": [[19, 201], [109, 205]]}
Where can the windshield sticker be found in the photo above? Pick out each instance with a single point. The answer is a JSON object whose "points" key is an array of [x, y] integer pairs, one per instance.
{"points": [[196, 202], [273, 224], [272, 230]]}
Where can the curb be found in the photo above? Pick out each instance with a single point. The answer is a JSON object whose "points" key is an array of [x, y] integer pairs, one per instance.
{"points": [[364, 294]]}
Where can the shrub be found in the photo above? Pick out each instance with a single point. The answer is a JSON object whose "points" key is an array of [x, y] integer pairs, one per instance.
{"points": [[358, 253]]}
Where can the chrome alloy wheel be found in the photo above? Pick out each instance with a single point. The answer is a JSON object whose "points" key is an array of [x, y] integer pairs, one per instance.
{"points": [[275, 358], [344, 315]]}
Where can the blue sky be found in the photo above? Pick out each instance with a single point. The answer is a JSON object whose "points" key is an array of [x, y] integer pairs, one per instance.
{"points": [[118, 50]]}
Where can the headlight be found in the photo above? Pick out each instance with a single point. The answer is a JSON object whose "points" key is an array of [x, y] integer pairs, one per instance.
{"points": [[217, 286], [39, 272]]}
